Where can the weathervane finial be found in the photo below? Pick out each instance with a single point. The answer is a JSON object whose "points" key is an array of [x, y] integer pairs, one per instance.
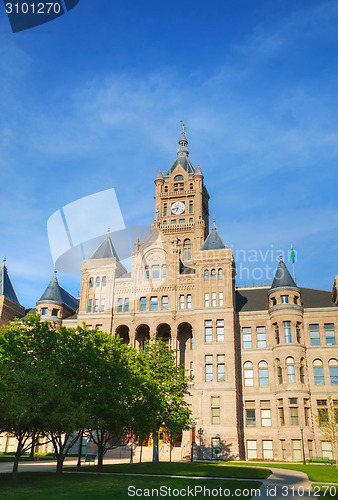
{"points": [[183, 127]]}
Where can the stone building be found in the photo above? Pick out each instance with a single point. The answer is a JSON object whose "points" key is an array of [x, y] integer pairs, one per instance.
{"points": [[264, 358]]}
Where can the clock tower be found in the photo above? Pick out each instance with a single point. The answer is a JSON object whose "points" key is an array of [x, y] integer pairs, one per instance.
{"points": [[182, 201]]}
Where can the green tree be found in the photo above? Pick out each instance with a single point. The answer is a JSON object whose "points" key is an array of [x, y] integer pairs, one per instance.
{"points": [[172, 410], [327, 421]]}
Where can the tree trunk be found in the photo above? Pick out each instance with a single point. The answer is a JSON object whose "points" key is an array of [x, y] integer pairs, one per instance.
{"points": [[15, 471], [80, 450], [141, 452], [155, 447], [131, 450], [31, 455], [100, 453], [59, 464]]}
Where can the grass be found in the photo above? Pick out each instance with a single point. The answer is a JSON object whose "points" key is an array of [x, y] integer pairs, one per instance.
{"points": [[42, 485], [326, 492], [316, 472], [10, 458], [200, 469]]}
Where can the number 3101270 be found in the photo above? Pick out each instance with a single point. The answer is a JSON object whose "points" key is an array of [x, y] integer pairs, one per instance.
{"points": [[32, 8]]}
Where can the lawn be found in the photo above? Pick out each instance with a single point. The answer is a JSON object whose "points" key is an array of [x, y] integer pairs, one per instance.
{"points": [[200, 469], [316, 472], [42, 485], [325, 491], [10, 458]]}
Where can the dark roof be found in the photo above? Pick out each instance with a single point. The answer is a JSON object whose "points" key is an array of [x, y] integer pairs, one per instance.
{"points": [[282, 277], [6, 287], [55, 293], [256, 299], [214, 241], [185, 164], [105, 250]]}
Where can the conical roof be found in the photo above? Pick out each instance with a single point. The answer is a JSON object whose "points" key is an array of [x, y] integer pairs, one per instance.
{"points": [[283, 278], [105, 250], [56, 294], [6, 287], [182, 157], [214, 240]]}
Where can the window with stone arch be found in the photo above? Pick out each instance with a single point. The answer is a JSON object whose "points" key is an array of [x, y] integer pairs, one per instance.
{"points": [[104, 281], [290, 370], [220, 273], [206, 275], [98, 281], [91, 282], [213, 274], [263, 373], [333, 368], [178, 178], [248, 374], [318, 372], [187, 250]]}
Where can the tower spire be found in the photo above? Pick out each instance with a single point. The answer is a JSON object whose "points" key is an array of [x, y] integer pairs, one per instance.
{"points": [[183, 149]]}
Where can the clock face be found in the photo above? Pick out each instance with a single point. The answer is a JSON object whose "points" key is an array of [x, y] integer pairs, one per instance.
{"points": [[178, 208]]}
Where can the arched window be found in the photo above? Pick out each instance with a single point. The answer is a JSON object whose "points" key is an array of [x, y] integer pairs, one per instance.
{"points": [[279, 372], [302, 371], [91, 282], [178, 178], [248, 374], [220, 273], [263, 373], [290, 370], [98, 281], [191, 186], [187, 250], [206, 275], [333, 367], [104, 281], [213, 274], [318, 372]]}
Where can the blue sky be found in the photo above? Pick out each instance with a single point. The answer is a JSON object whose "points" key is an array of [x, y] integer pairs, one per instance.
{"points": [[93, 100]]}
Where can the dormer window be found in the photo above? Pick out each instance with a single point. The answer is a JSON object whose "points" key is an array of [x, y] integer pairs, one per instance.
{"points": [[285, 299]]}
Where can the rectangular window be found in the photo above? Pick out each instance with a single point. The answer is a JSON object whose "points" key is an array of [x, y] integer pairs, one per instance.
{"points": [[287, 331], [214, 299], [329, 334], [220, 330], [261, 337], [102, 306], [299, 333], [188, 301], [307, 416], [296, 449], [276, 333], [165, 210], [191, 368], [251, 449], [215, 410], [285, 299], [323, 413], [294, 419], [143, 304], [314, 335], [281, 416], [173, 221], [96, 305], [208, 330], [208, 369], [165, 303], [126, 305], [310, 446], [191, 207], [247, 338], [265, 413], [153, 303], [164, 271], [250, 414], [90, 304], [155, 272], [216, 448], [181, 221], [206, 300], [182, 302], [293, 401], [220, 299], [119, 305], [44, 311], [99, 327], [147, 272], [220, 368], [54, 312], [327, 449], [283, 448], [267, 450]]}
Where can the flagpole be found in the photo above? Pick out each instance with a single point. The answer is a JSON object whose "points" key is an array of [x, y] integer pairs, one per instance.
{"points": [[293, 263]]}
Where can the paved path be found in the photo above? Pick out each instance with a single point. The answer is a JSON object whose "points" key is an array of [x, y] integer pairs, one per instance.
{"points": [[281, 485]]}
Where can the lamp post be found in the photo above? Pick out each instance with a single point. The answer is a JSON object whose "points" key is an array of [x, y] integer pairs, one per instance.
{"points": [[193, 425], [301, 433]]}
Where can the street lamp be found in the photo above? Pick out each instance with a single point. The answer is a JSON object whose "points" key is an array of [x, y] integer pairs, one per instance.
{"points": [[193, 425], [301, 433]]}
